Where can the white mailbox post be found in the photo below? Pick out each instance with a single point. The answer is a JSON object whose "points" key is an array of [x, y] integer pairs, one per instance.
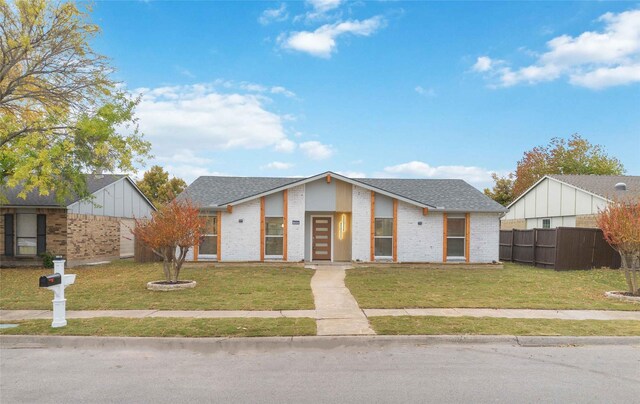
{"points": [[57, 283]]}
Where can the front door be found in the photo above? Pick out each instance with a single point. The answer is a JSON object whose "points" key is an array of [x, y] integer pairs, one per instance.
{"points": [[321, 239]]}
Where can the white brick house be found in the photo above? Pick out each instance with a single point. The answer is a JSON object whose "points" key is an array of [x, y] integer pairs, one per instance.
{"points": [[330, 217]]}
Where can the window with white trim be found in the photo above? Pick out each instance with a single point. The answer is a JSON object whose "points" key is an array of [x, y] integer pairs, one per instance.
{"points": [[546, 223], [456, 237], [383, 237], [209, 244], [26, 234], [273, 237]]}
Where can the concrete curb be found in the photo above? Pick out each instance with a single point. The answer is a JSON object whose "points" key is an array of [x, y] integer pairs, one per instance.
{"points": [[261, 344]]}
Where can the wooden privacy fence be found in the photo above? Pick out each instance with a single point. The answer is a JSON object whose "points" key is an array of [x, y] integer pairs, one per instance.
{"points": [[142, 253], [559, 248]]}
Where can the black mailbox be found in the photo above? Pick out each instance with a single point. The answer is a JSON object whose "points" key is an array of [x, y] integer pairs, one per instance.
{"points": [[50, 280]]}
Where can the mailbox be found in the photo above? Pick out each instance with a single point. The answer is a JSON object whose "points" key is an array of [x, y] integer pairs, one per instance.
{"points": [[50, 280]]}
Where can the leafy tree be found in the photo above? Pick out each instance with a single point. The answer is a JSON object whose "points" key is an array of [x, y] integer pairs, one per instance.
{"points": [[157, 186], [60, 113], [575, 155], [502, 191], [171, 231], [620, 223]]}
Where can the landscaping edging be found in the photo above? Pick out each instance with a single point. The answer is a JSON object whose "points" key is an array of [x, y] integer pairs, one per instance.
{"points": [[162, 286], [621, 296]]}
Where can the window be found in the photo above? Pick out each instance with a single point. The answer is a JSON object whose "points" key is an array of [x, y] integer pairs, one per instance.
{"points": [[26, 234], [383, 237], [456, 237], [273, 237], [209, 243], [546, 223]]}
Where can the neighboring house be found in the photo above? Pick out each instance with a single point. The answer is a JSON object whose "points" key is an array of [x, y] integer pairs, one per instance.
{"points": [[330, 217], [568, 200], [82, 231]]}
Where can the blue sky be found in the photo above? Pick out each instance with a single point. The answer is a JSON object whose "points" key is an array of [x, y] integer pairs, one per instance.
{"points": [[390, 88]]}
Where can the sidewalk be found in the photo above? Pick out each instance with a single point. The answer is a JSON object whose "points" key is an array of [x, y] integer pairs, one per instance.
{"points": [[335, 313]]}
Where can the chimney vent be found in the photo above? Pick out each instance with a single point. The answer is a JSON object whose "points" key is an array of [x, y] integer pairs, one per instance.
{"points": [[621, 186]]}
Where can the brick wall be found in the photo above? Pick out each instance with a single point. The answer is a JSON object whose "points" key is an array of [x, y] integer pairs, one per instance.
{"points": [[295, 233], [485, 237], [520, 224], [92, 238], [56, 230], [241, 241], [418, 243], [586, 221], [360, 224]]}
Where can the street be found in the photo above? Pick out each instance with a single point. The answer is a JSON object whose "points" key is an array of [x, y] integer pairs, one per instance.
{"points": [[438, 373]]}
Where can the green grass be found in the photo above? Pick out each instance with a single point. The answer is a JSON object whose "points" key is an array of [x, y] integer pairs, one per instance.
{"points": [[122, 285], [407, 325], [515, 286], [170, 327]]}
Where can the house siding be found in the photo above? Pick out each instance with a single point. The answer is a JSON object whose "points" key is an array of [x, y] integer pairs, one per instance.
{"points": [[484, 238], [241, 241], [419, 243], [295, 233], [361, 224]]}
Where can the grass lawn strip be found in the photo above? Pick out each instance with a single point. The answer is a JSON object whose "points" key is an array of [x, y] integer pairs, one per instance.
{"points": [[407, 325], [169, 327], [514, 287], [122, 286]]}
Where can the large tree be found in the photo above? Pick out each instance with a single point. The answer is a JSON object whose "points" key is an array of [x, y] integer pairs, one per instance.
{"points": [[158, 187], [575, 155], [60, 112]]}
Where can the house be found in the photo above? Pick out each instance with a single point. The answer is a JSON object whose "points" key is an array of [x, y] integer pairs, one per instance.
{"points": [[82, 231], [330, 217], [568, 200]]}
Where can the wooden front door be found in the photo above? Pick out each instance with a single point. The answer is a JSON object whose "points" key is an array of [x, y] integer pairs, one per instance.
{"points": [[321, 239]]}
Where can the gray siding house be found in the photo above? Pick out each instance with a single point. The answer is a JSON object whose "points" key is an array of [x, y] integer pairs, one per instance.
{"points": [[330, 217], [83, 231], [568, 200]]}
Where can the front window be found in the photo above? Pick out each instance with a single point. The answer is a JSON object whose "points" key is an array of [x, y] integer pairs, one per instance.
{"points": [[455, 237], [209, 244], [26, 234], [273, 237], [383, 237]]}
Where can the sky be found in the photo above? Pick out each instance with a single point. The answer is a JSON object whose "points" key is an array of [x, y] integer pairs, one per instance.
{"points": [[414, 89]]}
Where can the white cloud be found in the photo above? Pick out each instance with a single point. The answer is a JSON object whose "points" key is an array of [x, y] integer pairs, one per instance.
{"points": [[286, 146], [316, 150], [483, 64], [278, 165], [189, 172], [427, 92], [283, 91], [184, 156], [274, 15], [471, 174], [199, 117], [323, 6], [322, 41], [593, 59]]}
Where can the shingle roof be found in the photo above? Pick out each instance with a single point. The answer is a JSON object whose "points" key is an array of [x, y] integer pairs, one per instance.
{"points": [[94, 183], [452, 195], [604, 185]]}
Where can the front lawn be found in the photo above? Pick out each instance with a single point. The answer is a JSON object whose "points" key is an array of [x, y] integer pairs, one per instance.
{"points": [[122, 285], [170, 327], [407, 325], [514, 287]]}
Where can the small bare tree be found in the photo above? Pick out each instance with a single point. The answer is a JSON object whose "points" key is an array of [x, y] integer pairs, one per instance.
{"points": [[170, 232], [620, 223]]}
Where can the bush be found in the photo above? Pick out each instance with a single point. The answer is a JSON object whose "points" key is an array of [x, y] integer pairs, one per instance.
{"points": [[47, 259]]}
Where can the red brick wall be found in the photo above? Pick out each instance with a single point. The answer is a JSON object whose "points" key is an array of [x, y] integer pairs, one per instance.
{"points": [[92, 237]]}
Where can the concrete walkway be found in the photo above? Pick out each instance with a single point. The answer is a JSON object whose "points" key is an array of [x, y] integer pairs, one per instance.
{"points": [[337, 311], [511, 313]]}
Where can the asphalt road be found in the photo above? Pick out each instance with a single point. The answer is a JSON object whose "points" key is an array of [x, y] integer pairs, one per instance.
{"points": [[441, 373]]}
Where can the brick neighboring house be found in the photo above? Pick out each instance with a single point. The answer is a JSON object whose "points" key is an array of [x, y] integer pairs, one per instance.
{"points": [[330, 217], [568, 200], [82, 231]]}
